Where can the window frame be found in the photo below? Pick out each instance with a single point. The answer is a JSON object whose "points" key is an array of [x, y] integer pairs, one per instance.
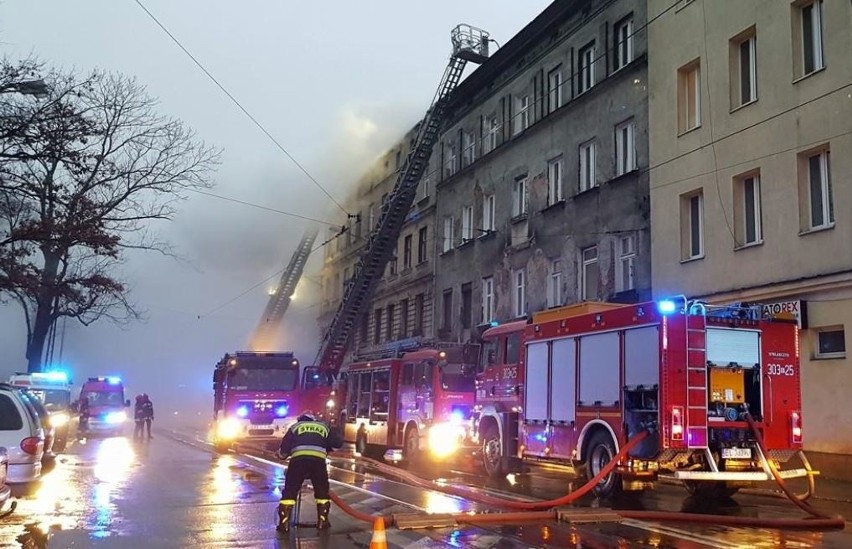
{"points": [[487, 299], [825, 188], [522, 116], [467, 224], [519, 293], [746, 212], [586, 63], [407, 251], [554, 89], [449, 237], [554, 284], [422, 245], [585, 264], [692, 229], [817, 41], [626, 258], [489, 212], [831, 355], [588, 166], [447, 309], [555, 187], [450, 160], [685, 93], [625, 153], [749, 38], [519, 197], [623, 58], [468, 148]]}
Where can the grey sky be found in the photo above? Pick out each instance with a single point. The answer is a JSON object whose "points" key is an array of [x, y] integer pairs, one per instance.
{"points": [[334, 82]]}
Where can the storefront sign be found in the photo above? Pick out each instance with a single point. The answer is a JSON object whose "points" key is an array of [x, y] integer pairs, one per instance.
{"points": [[787, 310]]}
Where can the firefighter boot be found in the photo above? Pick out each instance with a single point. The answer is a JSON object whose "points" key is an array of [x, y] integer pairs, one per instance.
{"points": [[322, 515], [284, 512]]}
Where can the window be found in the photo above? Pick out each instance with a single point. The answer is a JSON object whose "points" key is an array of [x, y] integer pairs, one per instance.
{"points": [[519, 197], [744, 69], [10, 418], [487, 299], [390, 312], [421, 245], [520, 286], [493, 130], [365, 327], [587, 67], [450, 165], [467, 223], [588, 177], [448, 309], [403, 318], [425, 188], [468, 148], [626, 263], [815, 189], [554, 284], [489, 204], [689, 97], [371, 221], [393, 264], [692, 225], [406, 252], [447, 244], [589, 274], [554, 181], [467, 305], [623, 50], [625, 147], [419, 301], [830, 343], [554, 89], [809, 37], [377, 319], [747, 223], [522, 117]]}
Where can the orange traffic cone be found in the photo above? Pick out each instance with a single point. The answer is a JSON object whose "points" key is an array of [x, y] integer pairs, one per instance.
{"points": [[380, 540]]}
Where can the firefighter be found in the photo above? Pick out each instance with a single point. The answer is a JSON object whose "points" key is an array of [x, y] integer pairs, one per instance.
{"points": [[306, 443], [143, 415]]}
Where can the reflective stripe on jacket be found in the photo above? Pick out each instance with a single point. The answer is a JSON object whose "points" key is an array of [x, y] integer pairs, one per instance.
{"points": [[309, 438]]}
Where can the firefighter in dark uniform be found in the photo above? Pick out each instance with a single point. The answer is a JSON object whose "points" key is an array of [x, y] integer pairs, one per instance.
{"points": [[306, 443]]}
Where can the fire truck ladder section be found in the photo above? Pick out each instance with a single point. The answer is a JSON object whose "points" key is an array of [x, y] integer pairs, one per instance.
{"points": [[279, 299], [469, 44], [697, 432]]}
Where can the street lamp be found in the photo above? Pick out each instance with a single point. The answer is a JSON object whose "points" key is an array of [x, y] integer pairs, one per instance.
{"points": [[37, 88]]}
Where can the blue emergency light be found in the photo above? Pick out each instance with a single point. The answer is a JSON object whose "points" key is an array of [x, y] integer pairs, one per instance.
{"points": [[281, 411], [243, 411], [666, 306], [113, 380]]}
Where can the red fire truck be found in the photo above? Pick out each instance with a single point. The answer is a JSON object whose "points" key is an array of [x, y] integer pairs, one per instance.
{"points": [[397, 407], [257, 396], [576, 383]]}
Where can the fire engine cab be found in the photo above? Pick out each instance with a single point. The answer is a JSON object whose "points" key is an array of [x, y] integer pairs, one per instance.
{"points": [[577, 382]]}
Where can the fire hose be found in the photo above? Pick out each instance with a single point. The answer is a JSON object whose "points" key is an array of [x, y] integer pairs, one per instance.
{"points": [[535, 510]]}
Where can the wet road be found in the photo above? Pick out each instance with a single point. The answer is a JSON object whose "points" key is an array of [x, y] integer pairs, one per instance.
{"points": [[175, 492]]}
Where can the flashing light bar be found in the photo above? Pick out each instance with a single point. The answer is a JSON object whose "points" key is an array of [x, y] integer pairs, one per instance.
{"points": [[281, 411], [243, 411], [666, 306], [55, 376]]}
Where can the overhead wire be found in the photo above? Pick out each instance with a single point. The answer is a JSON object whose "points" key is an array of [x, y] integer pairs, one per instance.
{"points": [[262, 207], [239, 105]]}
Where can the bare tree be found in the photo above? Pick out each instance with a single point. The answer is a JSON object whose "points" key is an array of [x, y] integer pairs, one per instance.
{"points": [[83, 173]]}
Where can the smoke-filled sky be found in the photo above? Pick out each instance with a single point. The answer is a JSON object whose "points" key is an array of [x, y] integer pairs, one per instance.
{"points": [[335, 82]]}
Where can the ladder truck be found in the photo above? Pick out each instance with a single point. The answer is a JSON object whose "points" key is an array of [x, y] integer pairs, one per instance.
{"points": [[258, 393], [469, 44]]}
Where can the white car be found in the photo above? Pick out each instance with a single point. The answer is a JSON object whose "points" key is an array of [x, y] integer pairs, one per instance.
{"points": [[22, 436]]}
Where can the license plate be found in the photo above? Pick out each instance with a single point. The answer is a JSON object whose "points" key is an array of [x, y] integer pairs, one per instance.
{"points": [[736, 453]]}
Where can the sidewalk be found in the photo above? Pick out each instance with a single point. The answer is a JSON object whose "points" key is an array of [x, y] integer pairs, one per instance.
{"points": [[831, 466]]}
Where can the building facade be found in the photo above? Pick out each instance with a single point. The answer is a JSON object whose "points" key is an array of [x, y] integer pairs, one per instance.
{"points": [[540, 174], [401, 306], [751, 154]]}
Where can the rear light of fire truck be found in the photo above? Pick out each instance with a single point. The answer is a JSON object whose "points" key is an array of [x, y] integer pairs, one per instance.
{"points": [[796, 427], [677, 422]]}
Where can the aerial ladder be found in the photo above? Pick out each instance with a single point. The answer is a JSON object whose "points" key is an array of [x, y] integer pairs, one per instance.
{"points": [[265, 334], [469, 44]]}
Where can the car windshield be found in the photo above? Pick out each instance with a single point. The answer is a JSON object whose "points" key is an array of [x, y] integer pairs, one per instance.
{"points": [[105, 398], [53, 399], [263, 379], [458, 378]]}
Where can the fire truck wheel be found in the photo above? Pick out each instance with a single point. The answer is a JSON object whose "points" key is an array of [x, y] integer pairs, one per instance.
{"points": [[709, 490], [492, 452], [602, 451], [361, 443], [411, 445]]}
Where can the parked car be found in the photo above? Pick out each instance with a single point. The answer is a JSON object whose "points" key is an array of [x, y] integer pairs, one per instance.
{"points": [[5, 491], [21, 434], [48, 461]]}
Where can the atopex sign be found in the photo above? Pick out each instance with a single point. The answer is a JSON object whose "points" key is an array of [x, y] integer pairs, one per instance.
{"points": [[788, 310]]}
